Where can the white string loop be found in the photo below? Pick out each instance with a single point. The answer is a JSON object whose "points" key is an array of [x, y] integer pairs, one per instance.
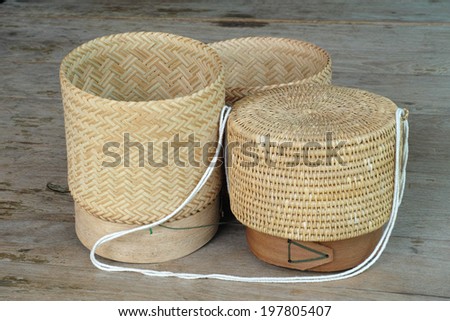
{"points": [[401, 157]]}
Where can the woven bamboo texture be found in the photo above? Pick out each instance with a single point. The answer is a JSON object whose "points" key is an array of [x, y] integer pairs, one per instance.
{"points": [[255, 64], [293, 196], [152, 86]]}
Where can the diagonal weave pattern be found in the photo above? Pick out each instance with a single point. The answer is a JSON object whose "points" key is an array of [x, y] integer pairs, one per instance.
{"points": [[256, 64], [152, 86], [298, 188]]}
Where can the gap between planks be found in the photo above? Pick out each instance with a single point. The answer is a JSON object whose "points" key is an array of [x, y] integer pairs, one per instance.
{"points": [[242, 21]]}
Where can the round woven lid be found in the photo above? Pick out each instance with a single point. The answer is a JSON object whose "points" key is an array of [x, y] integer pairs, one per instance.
{"points": [[312, 163], [255, 64], [152, 87]]}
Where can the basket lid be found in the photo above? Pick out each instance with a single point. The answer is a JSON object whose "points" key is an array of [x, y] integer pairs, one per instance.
{"points": [[255, 64], [312, 163]]}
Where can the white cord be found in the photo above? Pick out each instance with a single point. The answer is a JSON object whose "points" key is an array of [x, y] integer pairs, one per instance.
{"points": [[401, 157]]}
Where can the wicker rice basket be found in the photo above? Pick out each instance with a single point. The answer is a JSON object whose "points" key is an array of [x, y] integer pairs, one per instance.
{"points": [[323, 176], [151, 87], [256, 64]]}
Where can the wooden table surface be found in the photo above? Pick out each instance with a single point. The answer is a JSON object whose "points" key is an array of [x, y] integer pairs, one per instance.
{"points": [[401, 51]]}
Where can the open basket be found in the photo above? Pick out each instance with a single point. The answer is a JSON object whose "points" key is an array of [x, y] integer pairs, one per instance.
{"points": [[126, 98]]}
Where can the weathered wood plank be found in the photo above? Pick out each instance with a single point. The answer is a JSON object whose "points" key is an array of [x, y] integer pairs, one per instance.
{"points": [[238, 13], [36, 260], [29, 282], [365, 49], [370, 65]]}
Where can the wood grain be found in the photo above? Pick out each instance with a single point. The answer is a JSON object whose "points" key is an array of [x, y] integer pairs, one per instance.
{"points": [[162, 245], [339, 255], [396, 50], [237, 12]]}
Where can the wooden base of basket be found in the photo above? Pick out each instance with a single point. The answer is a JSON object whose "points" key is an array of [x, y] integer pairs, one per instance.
{"points": [[160, 245], [312, 256]]}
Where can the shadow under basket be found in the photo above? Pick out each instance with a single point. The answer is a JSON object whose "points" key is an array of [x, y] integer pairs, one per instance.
{"points": [[312, 256], [163, 243]]}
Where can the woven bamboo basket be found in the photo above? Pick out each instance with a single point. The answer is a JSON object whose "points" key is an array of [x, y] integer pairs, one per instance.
{"points": [[256, 64], [311, 174], [151, 87]]}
